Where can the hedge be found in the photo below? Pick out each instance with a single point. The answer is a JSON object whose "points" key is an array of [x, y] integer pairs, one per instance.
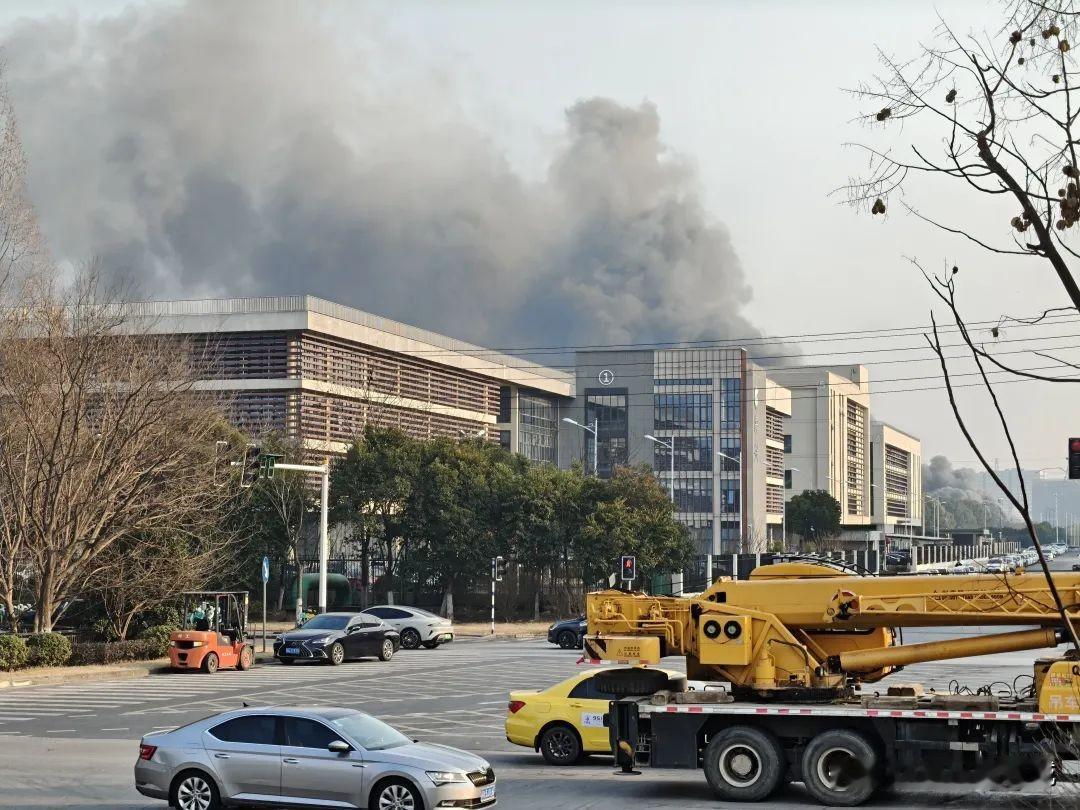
{"points": [[157, 639], [48, 650], [112, 652], [13, 653]]}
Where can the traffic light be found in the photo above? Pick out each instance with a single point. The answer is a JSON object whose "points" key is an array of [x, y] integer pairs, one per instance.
{"points": [[267, 461], [500, 569], [250, 472], [1074, 458], [629, 568]]}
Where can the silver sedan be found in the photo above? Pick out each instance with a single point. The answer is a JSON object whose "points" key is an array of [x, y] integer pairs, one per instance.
{"points": [[311, 756]]}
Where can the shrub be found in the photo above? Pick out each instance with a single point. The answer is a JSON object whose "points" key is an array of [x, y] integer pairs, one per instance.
{"points": [[49, 650], [110, 652], [102, 629], [156, 639], [13, 653]]}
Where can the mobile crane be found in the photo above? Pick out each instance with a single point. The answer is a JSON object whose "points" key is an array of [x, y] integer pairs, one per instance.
{"points": [[795, 647]]}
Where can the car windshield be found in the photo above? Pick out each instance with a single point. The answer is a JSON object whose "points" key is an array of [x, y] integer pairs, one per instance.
{"points": [[326, 622], [371, 734]]}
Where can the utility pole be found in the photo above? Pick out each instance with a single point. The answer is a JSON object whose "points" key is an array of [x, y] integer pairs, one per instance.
{"points": [[595, 431]]}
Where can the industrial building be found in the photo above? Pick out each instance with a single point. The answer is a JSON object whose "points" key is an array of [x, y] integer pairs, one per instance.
{"points": [[895, 480]]}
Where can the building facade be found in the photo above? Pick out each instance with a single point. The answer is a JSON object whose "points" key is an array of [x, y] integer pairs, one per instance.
{"points": [[708, 422], [318, 372], [895, 480], [828, 442]]}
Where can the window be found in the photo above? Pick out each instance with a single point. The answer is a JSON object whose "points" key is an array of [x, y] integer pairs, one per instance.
{"points": [[787, 479], [504, 404], [388, 613], [254, 729], [304, 733], [608, 408], [682, 411], [729, 462], [693, 495], [787, 442], [327, 621], [539, 428], [692, 453], [683, 381], [731, 404], [586, 690], [371, 734], [729, 497]]}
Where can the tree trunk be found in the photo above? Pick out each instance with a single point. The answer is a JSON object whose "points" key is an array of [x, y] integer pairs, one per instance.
{"points": [[9, 609], [43, 616], [447, 607]]}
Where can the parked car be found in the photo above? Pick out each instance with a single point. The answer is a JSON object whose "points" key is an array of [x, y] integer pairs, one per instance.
{"points": [[417, 627], [274, 756], [568, 633], [566, 721], [333, 638]]}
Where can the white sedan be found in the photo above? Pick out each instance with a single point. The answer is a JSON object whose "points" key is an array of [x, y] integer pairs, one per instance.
{"points": [[417, 627]]}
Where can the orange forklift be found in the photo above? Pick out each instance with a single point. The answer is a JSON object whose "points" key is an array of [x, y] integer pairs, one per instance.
{"points": [[214, 635]]}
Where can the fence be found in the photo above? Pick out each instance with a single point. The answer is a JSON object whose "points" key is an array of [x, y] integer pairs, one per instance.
{"points": [[706, 568], [946, 553]]}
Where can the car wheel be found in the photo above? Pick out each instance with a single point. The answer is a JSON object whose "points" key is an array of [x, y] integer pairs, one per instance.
{"points": [[246, 659], [567, 639], [387, 650], [560, 745], [211, 663], [396, 795], [194, 790], [410, 639], [337, 655], [839, 768], [743, 764], [430, 645]]}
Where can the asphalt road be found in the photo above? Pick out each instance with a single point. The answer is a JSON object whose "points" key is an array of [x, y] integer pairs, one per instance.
{"points": [[73, 746]]}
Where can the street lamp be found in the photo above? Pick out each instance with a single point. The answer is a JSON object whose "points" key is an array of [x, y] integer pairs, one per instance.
{"points": [[671, 449], [783, 520], [594, 430], [742, 495]]}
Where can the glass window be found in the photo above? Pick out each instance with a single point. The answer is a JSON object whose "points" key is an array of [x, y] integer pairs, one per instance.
{"points": [[730, 447], [327, 622], [304, 733], [586, 690], [683, 381], [692, 454], [731, 403], [608, 407], [787, 442], [504, 440], [370, 734], [539, 428], [693, 495], [504, 404], [382, 613], [787, 479], [254, 729], [729, 496], [682, 411]]}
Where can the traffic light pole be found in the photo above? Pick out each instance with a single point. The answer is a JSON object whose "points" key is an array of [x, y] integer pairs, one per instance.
{"points": [[492, 596], [324, 539]]}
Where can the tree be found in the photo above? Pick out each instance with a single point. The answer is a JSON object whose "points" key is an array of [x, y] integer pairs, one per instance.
{"points": [[102, 434], [1000, 112], [814, 515]]}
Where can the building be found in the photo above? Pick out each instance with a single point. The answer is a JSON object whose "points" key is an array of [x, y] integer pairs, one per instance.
{"points": [[319, 372], [828, 442], [722, 416], [895, 480]]}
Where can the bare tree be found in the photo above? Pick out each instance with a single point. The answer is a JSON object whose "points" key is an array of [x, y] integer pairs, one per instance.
{"points": [[102, 435]]}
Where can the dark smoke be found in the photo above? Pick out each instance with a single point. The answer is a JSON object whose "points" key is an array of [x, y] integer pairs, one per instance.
{"points": [[238, 149]]}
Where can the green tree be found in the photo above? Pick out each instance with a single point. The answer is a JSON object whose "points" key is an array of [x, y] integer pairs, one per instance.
{"points": [[814, 515]]}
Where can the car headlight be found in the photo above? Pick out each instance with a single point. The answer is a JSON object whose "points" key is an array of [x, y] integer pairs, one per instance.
{"points": [[446, 777], [319, 639], [198, 643]]}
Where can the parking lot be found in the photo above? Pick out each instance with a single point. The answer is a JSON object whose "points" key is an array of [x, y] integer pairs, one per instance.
{"points": [[455, 695]]}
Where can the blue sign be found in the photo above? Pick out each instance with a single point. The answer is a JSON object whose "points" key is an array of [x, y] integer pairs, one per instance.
{"points": [[266, 569]]}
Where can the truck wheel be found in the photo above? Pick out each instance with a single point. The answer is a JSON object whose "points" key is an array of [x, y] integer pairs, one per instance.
{"points": [[839, 768], [744, 764], [245, 660], [210, 663], [630, 682], [560, 745]]}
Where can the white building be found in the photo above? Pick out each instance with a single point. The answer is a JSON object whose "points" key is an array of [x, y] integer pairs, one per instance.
{"points": [[895, 479]]}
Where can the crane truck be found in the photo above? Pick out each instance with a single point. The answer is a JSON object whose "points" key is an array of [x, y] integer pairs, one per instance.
{"points": [[790, 658]]}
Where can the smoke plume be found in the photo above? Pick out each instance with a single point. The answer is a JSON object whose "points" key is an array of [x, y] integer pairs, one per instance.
{"points": [[242, 148]]}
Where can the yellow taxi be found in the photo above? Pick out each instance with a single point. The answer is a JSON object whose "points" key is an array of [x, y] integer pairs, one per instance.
{"points": [[564, 722]]}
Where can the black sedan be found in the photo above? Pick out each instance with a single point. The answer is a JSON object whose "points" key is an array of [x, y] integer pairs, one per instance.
{"points": [[333, 638], [568, 633]]}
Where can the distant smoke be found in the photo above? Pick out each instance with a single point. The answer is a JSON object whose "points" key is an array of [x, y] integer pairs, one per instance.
{"points": [[238, 149], [943, 480]]}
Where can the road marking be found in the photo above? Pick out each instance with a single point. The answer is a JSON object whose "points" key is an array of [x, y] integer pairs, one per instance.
{"points": [[60, 731], [125, 728]]}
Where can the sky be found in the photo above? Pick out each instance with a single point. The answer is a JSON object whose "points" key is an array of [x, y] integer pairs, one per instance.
{"points": [[521, 174]]}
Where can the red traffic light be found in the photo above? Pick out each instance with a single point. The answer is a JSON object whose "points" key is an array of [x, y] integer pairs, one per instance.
{"points": [[1074, 445]]}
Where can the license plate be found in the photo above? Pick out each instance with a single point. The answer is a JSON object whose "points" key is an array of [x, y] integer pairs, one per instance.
{"points": [[487, 794], [292, 650]]}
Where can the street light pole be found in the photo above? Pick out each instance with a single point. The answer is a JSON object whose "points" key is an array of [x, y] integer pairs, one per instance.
{"points": [[595, 431], [783, 519], [324, 540], [671, 449]]}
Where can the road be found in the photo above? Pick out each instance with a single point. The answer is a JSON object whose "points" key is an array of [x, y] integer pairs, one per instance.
{"points": [[73, 746]]}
